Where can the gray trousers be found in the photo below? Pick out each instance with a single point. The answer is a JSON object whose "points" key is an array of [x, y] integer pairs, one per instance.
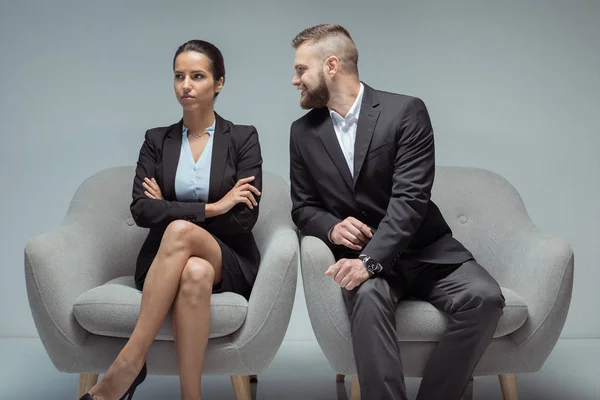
{"points": [[467, 293]]}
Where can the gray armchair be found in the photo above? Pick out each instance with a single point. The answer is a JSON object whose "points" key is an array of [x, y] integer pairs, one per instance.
{"points": [[84, 302], [535, 271]]}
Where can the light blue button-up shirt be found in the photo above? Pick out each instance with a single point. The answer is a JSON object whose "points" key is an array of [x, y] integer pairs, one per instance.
{"points": [[192, 179]]}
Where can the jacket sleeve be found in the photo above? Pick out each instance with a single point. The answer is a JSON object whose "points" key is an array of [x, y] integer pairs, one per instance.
{"points": [[153, 213], [241, 219], [414, 169], [308, 211]]}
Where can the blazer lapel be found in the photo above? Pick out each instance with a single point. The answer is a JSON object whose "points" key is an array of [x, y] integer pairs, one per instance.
{"points": [[219, 158], [367, 119], [327, 135], [170, 156]]}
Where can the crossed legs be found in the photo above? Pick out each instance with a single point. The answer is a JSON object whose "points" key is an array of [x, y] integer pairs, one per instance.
{"points": [[187, 265]]}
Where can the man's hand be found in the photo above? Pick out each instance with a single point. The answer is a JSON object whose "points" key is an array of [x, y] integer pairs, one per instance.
{"points": [[349, 274], [351, 233]]}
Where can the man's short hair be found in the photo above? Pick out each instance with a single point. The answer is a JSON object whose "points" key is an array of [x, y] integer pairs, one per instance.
{"points": [[335, 40]]}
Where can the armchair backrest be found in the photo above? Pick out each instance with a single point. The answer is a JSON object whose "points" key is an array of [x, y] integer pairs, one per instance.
{"points": [[485, 213], [101, 204]]}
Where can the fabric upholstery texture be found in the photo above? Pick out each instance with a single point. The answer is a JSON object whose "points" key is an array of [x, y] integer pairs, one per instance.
{"points": [[534, 270], [112, 310], [80, 286]]}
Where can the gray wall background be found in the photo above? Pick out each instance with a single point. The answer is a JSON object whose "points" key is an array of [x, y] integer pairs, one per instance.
{"points": [[511, 86]]}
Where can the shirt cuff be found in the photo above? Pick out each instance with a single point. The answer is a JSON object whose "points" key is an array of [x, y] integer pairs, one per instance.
{"points": [[329, 234]]}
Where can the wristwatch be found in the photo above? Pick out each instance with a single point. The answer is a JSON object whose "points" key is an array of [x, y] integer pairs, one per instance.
{"points": [[372, 266]]}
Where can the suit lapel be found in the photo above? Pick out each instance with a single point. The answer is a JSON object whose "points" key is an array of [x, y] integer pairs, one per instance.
{"points": [[219, 158], [327, 135], [170, 156], [367, 119]]}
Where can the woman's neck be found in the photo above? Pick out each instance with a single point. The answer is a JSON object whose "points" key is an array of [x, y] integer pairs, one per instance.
{"points": [[198, 120]]}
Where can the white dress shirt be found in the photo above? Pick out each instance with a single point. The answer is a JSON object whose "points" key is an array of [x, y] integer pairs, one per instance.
{"points": [[345, 129]]}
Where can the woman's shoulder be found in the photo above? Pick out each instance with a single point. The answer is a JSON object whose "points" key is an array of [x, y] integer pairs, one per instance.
{"points": [[158, 133], [239, 130]]}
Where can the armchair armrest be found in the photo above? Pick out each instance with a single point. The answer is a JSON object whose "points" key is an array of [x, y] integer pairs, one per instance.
{"points": [[270, 304], [97, 241], [541, 271], [59, 266], [325, 304], [272, 298]]}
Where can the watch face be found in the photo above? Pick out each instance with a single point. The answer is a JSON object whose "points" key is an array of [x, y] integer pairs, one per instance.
{"points": [[371, 265], [374, 266]]}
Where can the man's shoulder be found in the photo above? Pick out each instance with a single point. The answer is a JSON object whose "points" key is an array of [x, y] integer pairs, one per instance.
{"points": [[396, 99], [309, 120]]}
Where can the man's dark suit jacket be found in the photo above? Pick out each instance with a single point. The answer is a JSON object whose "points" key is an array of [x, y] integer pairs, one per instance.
{"points": [[391, 189], [236, 154]]}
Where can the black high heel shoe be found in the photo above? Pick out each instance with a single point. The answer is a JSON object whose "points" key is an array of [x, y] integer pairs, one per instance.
{"points": [[129, 393], [136, 382]]}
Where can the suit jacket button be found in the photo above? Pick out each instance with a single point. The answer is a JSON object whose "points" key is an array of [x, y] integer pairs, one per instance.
{"points": [[363, 213]]}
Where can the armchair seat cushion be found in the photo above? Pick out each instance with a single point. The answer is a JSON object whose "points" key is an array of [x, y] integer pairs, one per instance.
{"points": [[112, 310], [418, 320]]}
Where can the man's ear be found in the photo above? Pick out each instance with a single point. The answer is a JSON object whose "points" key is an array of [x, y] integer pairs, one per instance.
{"points": [[332, 65]]}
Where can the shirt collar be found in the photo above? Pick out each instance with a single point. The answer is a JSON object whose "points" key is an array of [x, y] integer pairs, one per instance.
{"points": [[354, 111], [210, 130]]}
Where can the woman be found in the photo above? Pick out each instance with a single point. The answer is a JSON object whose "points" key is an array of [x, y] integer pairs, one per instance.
{"points": [[197, 187]]}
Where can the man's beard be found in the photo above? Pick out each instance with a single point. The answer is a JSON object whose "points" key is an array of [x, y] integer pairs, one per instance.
{"points": [[317, 97]]}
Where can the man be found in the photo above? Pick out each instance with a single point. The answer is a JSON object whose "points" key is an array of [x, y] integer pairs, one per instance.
{"points": [[361, 171]]}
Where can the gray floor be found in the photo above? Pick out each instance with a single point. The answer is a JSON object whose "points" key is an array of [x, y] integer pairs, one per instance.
{"points": [[299, 371]]}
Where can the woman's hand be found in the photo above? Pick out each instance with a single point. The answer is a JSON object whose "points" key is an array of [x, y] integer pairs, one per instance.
{"points": [[152, 189], [242, 192]]}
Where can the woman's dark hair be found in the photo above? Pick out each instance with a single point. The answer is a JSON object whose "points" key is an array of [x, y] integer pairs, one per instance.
{"points": [[210, 51]]}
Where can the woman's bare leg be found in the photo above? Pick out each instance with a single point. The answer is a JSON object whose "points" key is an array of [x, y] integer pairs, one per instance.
{"points": [[180, 241], [191, 323]]}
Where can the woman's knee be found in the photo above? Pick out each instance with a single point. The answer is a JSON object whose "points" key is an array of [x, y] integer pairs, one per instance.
{"points": [[176, 236], [197, 278]]}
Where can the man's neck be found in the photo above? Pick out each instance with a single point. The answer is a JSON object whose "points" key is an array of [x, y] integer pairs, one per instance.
{"points": [[198, 120], [343, 97]]}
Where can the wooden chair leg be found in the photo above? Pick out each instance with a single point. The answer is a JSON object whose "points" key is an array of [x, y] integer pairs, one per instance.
{"points": [[508, 383], [340, 378], [253, 378], [355, 391], [86, 381], [241, 387]]}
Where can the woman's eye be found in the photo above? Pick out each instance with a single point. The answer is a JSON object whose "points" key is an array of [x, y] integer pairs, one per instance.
{"points": [[198, 76]]}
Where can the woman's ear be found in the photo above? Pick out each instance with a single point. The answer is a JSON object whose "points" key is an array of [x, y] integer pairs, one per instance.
{"points": [[219, 85]]}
